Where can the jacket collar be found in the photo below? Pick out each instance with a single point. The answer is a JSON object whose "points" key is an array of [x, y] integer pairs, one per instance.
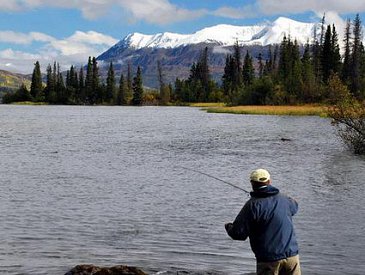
{"points": [[265, 191]]}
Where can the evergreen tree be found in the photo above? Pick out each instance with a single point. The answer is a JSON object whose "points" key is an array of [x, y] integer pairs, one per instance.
{"points": [[50, 90], [308, 91], [129, 80], [36, 89], [326, 55], [261, 65], [60, 88], [96, 87], [336, 56], [248, 70], [137, 88], [110, 84], [122, 92], [81, 87], [356, 57], [164, 89], [346, 68], [89, 95]]}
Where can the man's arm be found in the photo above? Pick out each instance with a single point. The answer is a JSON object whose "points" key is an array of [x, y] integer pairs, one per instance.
{"points": [[240, 228], [293, 206]]}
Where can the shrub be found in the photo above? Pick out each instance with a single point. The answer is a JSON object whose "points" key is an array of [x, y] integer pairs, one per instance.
{"points": [[349, 117]]}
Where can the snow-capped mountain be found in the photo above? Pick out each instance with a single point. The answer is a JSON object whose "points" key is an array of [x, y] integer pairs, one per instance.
{"points": [[226, 35], [177, 52]]}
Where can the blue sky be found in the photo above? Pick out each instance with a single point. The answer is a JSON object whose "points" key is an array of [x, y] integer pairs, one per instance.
{"points": [[68, 31]]}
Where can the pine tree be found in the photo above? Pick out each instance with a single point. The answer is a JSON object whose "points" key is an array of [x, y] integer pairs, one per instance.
{"points": [[110, 84], [81, 87], [96, 88], [60, 87], [122, 92], [50, 93], [164, 89], [308, 90], [261, 65], [137, 88], [36, 89], [248, 70], [346, 67], [129, 80], [336, 56], [89, 95], [356, 57]]}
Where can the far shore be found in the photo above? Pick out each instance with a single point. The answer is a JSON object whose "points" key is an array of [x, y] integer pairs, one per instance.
{"points": [[285, 110]]}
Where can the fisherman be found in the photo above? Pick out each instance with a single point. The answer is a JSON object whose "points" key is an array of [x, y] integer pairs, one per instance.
{"points": [[267, 220]]}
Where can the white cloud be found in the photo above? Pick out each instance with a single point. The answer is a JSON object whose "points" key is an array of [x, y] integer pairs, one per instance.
{"points": [[152, 11], [236, 13], [69, 51], [299, 6], [23, 38], [159, 11]]}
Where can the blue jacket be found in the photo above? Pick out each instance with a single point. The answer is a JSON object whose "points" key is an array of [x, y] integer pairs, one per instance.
{"points": [[267, 220]]}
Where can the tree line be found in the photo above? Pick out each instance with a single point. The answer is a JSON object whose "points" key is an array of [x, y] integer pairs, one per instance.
{"points": [[81, 88], [289, 74]]}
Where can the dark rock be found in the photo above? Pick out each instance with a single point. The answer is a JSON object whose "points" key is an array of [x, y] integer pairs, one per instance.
{"points": [[96, 270]]}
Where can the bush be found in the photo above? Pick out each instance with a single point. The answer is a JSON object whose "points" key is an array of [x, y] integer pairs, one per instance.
{"points": [[22, 94], [349, 117]]}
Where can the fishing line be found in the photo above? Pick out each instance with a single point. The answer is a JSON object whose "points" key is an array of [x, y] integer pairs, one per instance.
{"points": [[208, 175], [213, 177]]}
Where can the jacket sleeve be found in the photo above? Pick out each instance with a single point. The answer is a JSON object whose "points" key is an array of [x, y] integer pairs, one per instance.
{"points": [[240, 228], [293, 205]]}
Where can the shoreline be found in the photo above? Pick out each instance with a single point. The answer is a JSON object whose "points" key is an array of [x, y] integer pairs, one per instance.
{"points": [[280, 110]]}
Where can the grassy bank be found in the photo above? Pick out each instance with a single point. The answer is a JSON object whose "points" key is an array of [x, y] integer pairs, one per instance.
{"points": [[303, 110], [29, 103]]}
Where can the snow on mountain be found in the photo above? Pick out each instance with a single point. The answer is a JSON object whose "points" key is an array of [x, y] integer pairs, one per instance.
{"points": [[226, 35]]}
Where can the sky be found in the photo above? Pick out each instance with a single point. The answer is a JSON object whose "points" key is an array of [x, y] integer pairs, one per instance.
{"points": [[69, 31]]}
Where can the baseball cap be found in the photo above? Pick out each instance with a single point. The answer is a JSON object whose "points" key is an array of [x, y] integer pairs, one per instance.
{"points": [[260, 175]]}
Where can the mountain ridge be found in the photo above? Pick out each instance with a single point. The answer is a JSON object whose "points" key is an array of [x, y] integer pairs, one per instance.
{"points": [[226, 35]]}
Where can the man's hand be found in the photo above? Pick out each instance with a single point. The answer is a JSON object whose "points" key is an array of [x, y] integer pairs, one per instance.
{"points": [[228, 226]]}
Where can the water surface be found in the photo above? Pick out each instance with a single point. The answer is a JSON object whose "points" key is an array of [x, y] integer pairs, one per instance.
{"points": [[104, 185]]}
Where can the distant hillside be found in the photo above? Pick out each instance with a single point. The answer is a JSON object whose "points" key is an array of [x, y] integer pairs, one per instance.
{"points": [[11, 81]]}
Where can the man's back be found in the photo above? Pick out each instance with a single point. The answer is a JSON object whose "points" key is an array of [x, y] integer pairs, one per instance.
{"points": [[267, 220]]}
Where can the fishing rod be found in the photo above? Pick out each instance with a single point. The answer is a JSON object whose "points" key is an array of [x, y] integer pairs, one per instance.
{"points": [[213, 177]]}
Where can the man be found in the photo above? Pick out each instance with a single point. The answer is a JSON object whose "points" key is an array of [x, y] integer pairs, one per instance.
{"points": [[267, 220]]}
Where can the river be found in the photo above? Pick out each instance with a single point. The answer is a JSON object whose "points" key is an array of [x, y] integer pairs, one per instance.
{"points": [[105, 186]]}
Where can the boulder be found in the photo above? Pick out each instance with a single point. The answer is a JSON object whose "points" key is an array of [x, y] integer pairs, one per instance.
{"points": [[96, 270]]}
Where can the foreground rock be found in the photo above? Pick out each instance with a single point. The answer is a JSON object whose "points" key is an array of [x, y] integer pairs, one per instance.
{"points": [[96, 270]]}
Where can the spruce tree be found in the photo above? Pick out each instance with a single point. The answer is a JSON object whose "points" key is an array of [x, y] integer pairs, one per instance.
{"points": [[89, 95], [81, 87], [164, 90], [356, 57], [110, 84], [309, 92], [121, 98], [137, 88], [248, 70], [346, 67], [96, 87], [50, 93], [129, 80], [36, 89], [326, 55]]}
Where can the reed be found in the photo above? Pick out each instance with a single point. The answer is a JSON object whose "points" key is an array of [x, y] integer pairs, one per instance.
{"points": [[302, 110]]}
